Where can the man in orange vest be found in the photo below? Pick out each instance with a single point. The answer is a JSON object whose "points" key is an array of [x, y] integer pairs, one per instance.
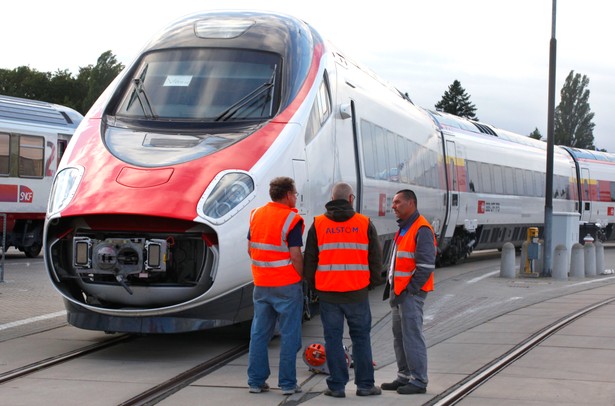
{"points": [[342, 261], [410, 278], [275, 240]]}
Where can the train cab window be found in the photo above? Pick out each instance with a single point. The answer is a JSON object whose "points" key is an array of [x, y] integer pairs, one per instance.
{"points": [[321, 110], [31, 156], [5, 153], [212, 85]]}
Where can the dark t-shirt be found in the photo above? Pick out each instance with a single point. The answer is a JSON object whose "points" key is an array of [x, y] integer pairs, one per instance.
{"points": [[295, 235]]}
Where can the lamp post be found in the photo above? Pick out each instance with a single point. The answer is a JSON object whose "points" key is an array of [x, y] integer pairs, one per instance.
{"points": [[547, 268]]}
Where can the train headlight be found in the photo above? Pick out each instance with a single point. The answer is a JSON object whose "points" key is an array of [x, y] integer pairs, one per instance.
{"points": [[63, 189], [230, 193]]}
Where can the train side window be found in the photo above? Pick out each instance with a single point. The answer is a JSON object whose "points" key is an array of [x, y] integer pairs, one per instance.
{"points": [[508, 181], [5, 153], [394, 161], [485, 170], [529, 182], [520, 185], [369, 159], [539, 184], [473, 180], [498, 179], [31, 156], [612, 187], [380, 145], [403, 146]]}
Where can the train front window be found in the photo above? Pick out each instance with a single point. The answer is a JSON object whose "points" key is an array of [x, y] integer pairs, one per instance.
{"points": [[212, 85]]}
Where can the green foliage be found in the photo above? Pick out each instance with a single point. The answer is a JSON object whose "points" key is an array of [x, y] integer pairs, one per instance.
{"points": [[573, 117], [456, 101], [61, 87], [536, 134]]}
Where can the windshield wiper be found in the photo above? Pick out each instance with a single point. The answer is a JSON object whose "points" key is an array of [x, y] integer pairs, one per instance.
{"points": [[140, 95], [249, 99]]}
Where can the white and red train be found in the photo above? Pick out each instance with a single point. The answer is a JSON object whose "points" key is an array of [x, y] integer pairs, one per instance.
{"points": [[148, 217], [33, 137]]}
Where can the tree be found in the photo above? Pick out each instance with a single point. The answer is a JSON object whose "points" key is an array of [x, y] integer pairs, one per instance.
{"points": [[97, 78], [456, 101], [573, 118], [61, 87], [536, 134]]}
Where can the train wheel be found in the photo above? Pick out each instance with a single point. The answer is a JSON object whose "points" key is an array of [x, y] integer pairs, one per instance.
{"points": [[33, 250]]}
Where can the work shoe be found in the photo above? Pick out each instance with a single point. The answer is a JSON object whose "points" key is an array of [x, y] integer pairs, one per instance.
{"points": [[374, 390], [292, 391], [258, 389], [410, 389], [335, 393], [392, 385]]}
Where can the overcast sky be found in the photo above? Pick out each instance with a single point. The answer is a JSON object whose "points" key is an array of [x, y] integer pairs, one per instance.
{"points": [[498, 50]]}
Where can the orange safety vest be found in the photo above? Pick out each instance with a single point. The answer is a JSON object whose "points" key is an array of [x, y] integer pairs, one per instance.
{"points": [[404, 258], [342, 253], [269, 228]]}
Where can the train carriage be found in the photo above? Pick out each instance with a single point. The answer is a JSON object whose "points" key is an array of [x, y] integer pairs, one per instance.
{"points": [[33, 138], [148, 216]]}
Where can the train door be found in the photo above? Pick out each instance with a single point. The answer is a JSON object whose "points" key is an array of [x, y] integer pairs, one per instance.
{"points": [[300, 177], [452, 187], [586, 195]]}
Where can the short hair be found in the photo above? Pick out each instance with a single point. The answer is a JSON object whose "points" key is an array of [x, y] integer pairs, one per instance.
{"points": [[341, 190], [408, 195], [278, 187]]}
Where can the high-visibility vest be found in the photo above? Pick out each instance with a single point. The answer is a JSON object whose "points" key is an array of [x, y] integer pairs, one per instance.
{"points": [[342, 253], [269, 228], [405, 264]]}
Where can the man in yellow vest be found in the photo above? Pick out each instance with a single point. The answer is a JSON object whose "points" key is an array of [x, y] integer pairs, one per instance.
{"points": [[343, 259], [275, 240], [410, 278]]}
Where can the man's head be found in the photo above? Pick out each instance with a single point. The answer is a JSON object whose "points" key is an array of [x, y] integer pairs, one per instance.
{"points": [[282, 190], [404, 204], [342, 191]]}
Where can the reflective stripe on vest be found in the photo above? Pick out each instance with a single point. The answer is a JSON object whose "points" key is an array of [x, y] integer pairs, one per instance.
{"points": [[405, 265], [342, 254], [269, 228]]}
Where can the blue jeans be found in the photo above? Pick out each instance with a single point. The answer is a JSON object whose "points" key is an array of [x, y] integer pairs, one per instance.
{"points": [[409, 342], [285, 305], [359, 318]]}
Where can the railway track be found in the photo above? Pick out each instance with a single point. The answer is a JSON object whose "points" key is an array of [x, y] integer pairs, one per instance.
{"points": [[461, 390]]}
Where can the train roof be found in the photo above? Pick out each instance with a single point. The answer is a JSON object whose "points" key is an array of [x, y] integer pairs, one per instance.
{"points": [[36, 112], [589, 154]]}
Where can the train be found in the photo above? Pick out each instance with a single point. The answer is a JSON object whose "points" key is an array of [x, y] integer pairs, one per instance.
{"points": [[33, 137], [148, 216]]}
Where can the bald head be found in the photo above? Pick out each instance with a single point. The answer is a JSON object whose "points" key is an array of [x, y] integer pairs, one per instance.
{"points": [[341, 191]]}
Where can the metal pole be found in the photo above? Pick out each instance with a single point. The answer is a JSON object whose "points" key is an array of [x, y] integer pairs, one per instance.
{"points": [[550, 130], [3, 216]]}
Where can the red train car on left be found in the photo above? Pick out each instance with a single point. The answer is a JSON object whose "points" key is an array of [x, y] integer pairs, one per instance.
{"points": [[33, 138]]}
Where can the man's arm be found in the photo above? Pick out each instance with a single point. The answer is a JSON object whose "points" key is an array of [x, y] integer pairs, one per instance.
{"points": [[425, 259], [311, 257], [374, 257], [296, 258]]}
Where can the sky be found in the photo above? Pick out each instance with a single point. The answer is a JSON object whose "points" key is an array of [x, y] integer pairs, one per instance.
{"points": [[498, 50]]}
